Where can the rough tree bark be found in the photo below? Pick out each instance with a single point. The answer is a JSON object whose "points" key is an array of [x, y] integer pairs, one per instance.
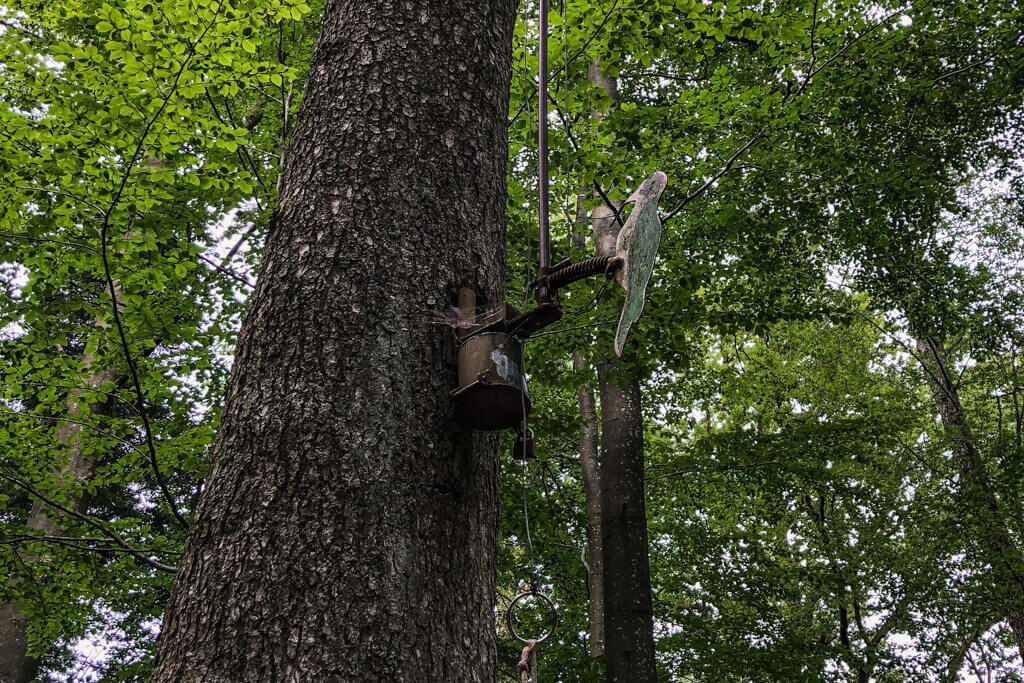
{"points": [[15, 664], [629, 613], [591, 468], [348, 526], [628, 608], [976, 489]]}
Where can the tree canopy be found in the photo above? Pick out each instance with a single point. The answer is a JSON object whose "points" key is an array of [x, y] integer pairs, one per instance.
{"points": [[829, 357]]}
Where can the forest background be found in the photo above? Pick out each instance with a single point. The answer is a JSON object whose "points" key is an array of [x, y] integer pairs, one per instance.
{"points": [[829, 362]]}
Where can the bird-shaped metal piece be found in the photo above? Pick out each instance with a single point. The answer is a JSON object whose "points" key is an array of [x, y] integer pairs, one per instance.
{"points": [[636, 249]]}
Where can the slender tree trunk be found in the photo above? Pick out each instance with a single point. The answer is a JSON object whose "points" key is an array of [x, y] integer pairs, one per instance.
{"points": [[859, 661], [976, 489], [15, 664], [957, 660], [347, 530], [628, 608], [591, 467], [629, 613]]}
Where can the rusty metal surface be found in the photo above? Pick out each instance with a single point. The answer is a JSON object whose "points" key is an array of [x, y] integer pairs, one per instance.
{"points": [[533, 320], [573, 272], [523, 448], [492, 384], [542, 145]]}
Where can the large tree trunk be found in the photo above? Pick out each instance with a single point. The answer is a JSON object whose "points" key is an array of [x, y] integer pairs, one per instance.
{"points": [[15, 664], [628, 608], [976, 489], [348, 526]]}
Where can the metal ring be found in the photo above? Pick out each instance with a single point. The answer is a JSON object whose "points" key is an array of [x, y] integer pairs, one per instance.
{"points": [[512, 607]]}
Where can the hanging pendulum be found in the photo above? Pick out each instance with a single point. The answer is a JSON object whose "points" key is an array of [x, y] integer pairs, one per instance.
{"points": [[523, 446]]}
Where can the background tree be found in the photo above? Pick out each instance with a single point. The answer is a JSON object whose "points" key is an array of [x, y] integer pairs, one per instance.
{"points": [[130, 140]]}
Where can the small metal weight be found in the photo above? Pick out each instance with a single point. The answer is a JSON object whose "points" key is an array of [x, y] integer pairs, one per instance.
{"points": [[522, 449]]}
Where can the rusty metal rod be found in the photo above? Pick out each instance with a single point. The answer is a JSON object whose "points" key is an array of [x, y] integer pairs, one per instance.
{"points": [[467, 311], [579, 271], [542, 142]]}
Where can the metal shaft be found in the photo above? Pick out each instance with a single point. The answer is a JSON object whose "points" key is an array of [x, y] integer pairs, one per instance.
{"points": [[542, 140], [467, 310], [581, 271]]}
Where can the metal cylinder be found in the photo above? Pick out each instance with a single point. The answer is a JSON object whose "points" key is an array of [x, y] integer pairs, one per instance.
{"points": [[492, 385]]}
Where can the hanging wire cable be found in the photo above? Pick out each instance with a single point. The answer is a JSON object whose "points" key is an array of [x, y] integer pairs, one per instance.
{"points": [[526, 508], [527, 79], [526, 520]]}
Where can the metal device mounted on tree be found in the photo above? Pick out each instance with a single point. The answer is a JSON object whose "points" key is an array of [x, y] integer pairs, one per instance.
{"points": [[492, 391], [492, 382]]}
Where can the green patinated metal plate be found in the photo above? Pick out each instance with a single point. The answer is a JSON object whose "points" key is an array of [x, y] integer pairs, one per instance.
{"points": [[637, 246]]}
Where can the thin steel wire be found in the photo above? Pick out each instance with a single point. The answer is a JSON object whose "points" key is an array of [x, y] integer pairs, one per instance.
{"points": [[526, 507]]}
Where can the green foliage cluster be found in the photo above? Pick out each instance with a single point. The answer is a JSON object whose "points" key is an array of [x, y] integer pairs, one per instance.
{"points": [[134, 138], [834, 173], [844, 180]]}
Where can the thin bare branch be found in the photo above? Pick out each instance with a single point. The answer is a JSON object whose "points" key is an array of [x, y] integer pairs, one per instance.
{"points": [[91, 521], [112, 289]]}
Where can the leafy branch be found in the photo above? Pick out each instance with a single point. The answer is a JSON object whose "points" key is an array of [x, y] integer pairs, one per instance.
{"points": [[112, 288], [87, 519]]}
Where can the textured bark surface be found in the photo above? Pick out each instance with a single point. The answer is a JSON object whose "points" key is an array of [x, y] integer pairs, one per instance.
{"points": [[15, 665], [347, 531], [976, 490], [591, 468], [628, 608], [629, 613]]}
